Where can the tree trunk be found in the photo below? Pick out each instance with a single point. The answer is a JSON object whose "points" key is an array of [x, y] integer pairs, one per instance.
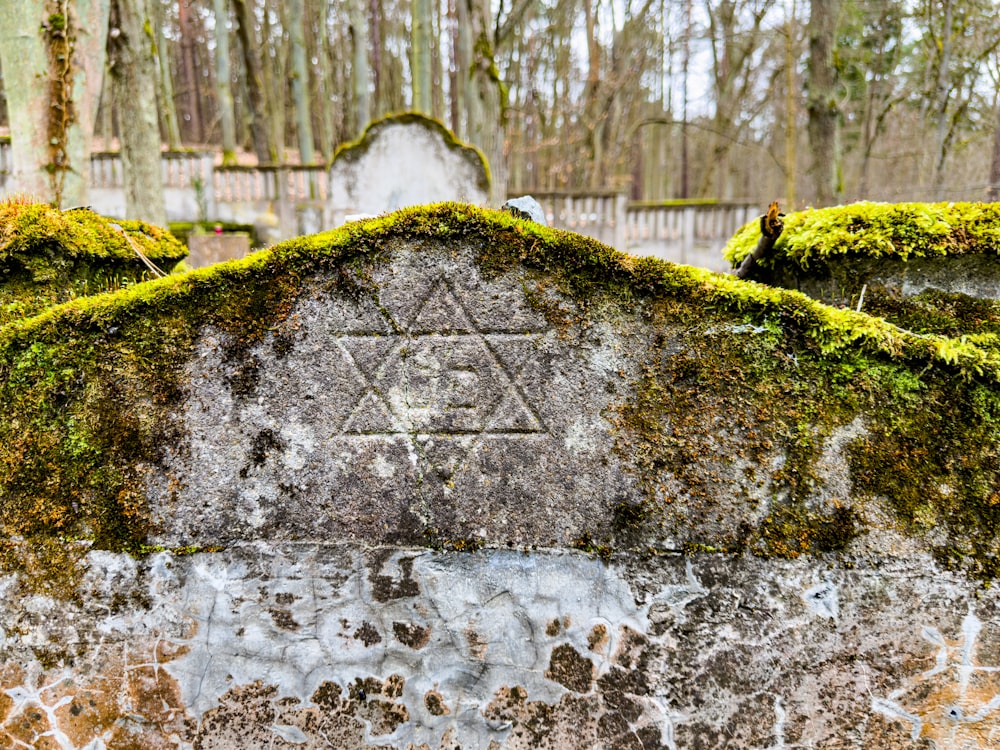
{"points": [[52, 79], [437, 70], [375, 40], [593, 111], [300, 82], [189, 66], [942, 90], [360, 72], [791, 134], [133, 71], [262, 146], [165, 84], [456, 76], [685, 136], [320, 90], [822, 103], [993, 194], [275, 86], [223, 88], [420, 55], [486, 98]]}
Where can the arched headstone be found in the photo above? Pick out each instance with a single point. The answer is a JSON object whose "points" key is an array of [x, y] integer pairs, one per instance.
{"points": [[404, 160]]}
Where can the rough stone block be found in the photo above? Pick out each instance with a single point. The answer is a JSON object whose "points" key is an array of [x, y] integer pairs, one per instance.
{"points": [[452, 479]]}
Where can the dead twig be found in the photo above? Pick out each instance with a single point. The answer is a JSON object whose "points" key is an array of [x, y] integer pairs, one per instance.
{"points": [[771, 227]]}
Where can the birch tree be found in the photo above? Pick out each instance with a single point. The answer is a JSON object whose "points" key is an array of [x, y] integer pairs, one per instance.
{"points": [[165, 82], [421, 25], [360, 70], [300, 81], [60, 44]]}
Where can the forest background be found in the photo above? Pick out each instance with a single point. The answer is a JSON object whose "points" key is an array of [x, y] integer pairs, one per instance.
{"points": [[811, 102]]}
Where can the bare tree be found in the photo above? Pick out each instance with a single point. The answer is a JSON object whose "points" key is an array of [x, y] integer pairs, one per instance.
{"points": [[165, 82], [223, 88], [360, 70], [300, 81], [421, 24], [266, 151], [822, 102]]}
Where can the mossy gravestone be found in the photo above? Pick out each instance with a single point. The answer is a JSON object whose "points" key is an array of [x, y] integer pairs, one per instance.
{"points": [[404, 160], [451, 479]]}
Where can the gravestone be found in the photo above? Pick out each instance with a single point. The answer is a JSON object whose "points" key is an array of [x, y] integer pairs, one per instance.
{"points": [[450, 479], [404, 160], [206, 249]]}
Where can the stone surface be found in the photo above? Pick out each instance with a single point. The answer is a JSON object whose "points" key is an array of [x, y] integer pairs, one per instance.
{"points": [[400, 161], [418, 508], [974, 275], [206, 249], [528, 208], [305, 645], [446, 403]]}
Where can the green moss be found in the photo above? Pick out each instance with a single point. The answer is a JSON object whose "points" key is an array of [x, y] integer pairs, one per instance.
{"points": [[736, 372], [355, 149], [184, 229], [49, 256], [877, 230], [855, 255], [586, 543]]}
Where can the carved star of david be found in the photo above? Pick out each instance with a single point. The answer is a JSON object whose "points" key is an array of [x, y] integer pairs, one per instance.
{"points": [[440, 381]]}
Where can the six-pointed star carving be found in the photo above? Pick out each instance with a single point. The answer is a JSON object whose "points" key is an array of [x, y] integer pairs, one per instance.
{"points": [[440, 381]]}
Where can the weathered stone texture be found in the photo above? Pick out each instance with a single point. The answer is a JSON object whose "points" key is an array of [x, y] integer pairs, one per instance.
{"points": [[519, 650], [404, 160], [442, 402], [440, 500]]}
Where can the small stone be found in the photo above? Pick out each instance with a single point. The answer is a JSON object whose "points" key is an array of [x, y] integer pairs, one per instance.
{"points": [[526, 207]]}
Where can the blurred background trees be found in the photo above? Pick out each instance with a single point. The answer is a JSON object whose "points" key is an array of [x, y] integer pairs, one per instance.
{"points": [[811, 101]]}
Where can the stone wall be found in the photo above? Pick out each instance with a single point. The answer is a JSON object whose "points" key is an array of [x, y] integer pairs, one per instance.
{"points": [[452, 480]]}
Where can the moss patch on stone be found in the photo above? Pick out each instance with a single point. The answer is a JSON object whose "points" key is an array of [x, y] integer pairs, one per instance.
{"points": [[877, 230], [857, 255], [734, 373], [49, 256]]}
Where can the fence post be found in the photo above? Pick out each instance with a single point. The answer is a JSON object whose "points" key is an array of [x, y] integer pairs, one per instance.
{"points": [[286, 204], [621, 240], [687, 232], [207, 169]]}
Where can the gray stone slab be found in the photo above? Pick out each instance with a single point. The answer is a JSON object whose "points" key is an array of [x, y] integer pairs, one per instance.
{"points": [[446, 402], [326, 645], [432, 497]]}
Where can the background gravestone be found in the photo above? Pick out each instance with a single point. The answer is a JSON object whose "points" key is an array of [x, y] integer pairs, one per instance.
{"points": [[452, 479], [404, 160]]}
